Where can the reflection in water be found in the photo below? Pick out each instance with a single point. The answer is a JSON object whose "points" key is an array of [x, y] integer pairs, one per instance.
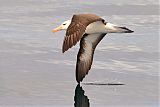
{"points": [[80, 99], [90, 83]]}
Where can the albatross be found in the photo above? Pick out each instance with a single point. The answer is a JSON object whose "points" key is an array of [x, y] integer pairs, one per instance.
{"points": [[89, 29]]}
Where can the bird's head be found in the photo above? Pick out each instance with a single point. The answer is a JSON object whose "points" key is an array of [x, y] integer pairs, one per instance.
{"points": [[63, 26]]}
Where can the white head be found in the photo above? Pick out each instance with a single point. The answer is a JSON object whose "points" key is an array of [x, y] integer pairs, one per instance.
{"points": [[63, 26]]}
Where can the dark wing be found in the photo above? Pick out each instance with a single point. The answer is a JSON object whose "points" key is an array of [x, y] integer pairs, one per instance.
{"points": [[77, 28], [85, 55]]}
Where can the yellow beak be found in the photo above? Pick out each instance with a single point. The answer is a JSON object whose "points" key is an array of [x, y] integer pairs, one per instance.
{"points": [[57, 29]]}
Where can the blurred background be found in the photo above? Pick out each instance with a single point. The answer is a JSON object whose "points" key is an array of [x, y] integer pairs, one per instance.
{"points": [[34, 72]]}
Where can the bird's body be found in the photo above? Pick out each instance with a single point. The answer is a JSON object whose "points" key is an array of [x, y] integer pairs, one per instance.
{"points": [[90, 30], [98, 27]]}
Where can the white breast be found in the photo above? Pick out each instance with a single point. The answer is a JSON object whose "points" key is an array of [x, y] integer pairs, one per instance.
{"points": [[95, 27]]}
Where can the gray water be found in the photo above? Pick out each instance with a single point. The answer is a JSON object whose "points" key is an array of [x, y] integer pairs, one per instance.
{"points": [[34, 72]]}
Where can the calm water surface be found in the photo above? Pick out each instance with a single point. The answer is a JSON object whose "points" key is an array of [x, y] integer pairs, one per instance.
{"points": [[34, 72]]}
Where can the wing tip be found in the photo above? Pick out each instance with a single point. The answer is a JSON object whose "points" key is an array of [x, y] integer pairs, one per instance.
{"points": [[79, 76], [79, 80], [63, 50]]}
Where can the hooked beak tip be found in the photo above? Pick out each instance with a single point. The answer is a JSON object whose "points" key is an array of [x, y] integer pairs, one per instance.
{"points": [[54, 30]]}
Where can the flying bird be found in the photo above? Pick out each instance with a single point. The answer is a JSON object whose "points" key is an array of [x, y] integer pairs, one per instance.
{"points": [[89, 29]]}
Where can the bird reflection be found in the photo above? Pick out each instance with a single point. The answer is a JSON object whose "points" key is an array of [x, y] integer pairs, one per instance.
{"points": [[80, 99]]}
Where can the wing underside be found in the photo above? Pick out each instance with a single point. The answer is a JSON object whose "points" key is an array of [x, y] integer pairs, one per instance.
{"points": [[85, 55]]}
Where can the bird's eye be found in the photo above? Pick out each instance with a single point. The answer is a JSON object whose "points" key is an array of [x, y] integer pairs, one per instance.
{"points": [[64, 24]]}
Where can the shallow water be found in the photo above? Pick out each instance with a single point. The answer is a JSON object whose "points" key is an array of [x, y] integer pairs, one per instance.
{"points": [[34, 72]]}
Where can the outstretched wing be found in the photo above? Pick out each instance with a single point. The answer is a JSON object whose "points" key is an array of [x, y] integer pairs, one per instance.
{"points": [[85, 55], [77, 28]]}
